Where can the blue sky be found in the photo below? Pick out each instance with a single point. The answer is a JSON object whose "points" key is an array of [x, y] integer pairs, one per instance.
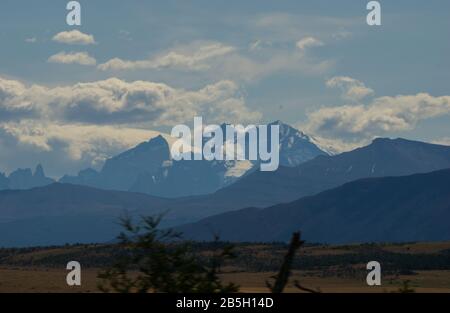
{"points": [[316, 65]]}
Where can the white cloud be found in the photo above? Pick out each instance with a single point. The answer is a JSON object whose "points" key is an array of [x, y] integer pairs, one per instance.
{"points": [[74, 37], [308, 42], [345, 127], [65, 146], [189, 58], [77, 126], [382, 115], [79, 138], [82, 58], [12, 106], [352, 89], [114, 101]]}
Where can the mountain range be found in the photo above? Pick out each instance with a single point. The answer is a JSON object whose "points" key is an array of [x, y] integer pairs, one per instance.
{"points": [[25, 179], [61, 213], [383, 157], [148, 168], [406, 208]]}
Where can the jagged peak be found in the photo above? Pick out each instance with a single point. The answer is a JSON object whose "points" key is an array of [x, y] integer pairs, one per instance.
{"points": [[158, 140], [280, 123], [283, 124], [39, 171], [21, 171], [286, 129], [159, 137], [277, 122]]}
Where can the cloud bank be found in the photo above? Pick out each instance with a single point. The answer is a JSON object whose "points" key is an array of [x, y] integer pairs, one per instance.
{"points": [[114, 101], [379, 117], [78, 125]]}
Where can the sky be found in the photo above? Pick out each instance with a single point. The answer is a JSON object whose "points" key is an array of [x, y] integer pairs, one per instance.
{"points": [[72, 96]]}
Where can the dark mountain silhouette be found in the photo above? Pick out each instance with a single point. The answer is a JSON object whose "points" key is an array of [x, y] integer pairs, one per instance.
{"points": [[46, 208], [391, 209], [61, 199], [61, 213], [184, 178], [383, 157]]}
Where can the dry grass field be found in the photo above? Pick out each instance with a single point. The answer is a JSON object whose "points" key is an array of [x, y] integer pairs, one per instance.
{"points": [[41, 280], [43, 269]]}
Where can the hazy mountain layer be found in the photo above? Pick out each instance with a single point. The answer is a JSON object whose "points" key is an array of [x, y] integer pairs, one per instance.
{"points": [[391, 209]]}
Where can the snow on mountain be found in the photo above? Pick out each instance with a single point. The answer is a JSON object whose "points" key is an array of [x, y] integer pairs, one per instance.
{"points": [[148, 168]]}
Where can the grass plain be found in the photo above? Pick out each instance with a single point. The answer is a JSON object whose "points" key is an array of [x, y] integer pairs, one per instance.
{"points": [[325, 268]]}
